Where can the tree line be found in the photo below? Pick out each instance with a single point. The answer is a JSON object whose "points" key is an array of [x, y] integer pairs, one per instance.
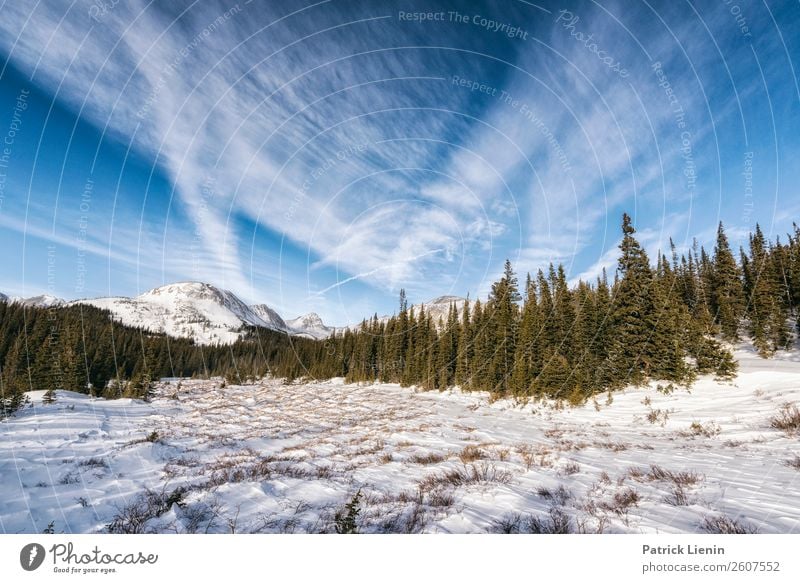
{"points": [[669, 320]]}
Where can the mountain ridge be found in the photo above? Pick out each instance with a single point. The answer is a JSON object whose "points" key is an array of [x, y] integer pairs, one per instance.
{"points": [[212, 315]]}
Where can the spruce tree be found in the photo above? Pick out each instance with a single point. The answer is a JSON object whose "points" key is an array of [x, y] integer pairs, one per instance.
{"points": [[502, 328], [633, 312], [726, 293]]}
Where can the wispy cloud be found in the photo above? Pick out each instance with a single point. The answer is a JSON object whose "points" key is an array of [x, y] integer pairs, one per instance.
{"points": [[339, 130]]}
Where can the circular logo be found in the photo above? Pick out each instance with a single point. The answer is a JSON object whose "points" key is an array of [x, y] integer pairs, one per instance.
{"points": [[31, 556]]}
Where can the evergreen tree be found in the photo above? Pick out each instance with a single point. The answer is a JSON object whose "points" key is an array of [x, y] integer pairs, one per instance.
{"points": [[727, 293], [502, 329], [633, 312]]}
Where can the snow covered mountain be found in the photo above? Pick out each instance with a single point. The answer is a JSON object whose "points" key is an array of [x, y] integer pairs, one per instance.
{"points": [[190, 310], [311, 326], [40, 301], [439, 308], [211, 315], [270, 317]]}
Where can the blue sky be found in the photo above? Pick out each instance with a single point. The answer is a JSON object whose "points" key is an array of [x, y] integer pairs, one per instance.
{"points": [[320, 156]]}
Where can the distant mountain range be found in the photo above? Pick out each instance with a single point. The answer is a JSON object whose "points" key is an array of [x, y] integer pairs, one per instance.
{"points": [[210, 315]]}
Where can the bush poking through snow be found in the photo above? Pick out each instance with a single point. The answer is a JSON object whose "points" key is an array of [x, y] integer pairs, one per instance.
{"points": [[794, 463], [426, 459], [558, 497], [688, 478], [787, 420], [679, 497], [471, 453], [133, 518], [697, 429], [469, 474], [660, 416], [622, 501], [346, 517], [723, 525], [556, 522], [571, 469], [93, 462]]}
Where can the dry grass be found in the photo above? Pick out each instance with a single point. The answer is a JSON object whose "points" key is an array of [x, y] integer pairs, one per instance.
{"points": [[622, 501], [723, 525], [794, 462], [787, 420], [558, 497], [570, 469], [426, 459], [657, 473], [678, 497], [471, 453], [697, 429], [465, 476], [555, 522], [660, 416]]}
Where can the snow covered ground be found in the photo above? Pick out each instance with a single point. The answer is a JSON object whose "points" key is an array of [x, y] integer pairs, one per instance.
{"points": [[288, 458]]}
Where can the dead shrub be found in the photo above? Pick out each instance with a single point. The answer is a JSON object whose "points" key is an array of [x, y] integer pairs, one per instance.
{"points": [[571, 469], [471, 453], [427, 459], [133, 518], [697, 429], [678, 497], [469, 474], [723, 525], [558, 497], [686, 478], [622, 501], [555, 522], [787, 420], [794, 463], [93, 462], [660, 416]]}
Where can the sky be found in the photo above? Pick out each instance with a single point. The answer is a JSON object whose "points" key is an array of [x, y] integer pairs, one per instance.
{"points": [[320, 156]]}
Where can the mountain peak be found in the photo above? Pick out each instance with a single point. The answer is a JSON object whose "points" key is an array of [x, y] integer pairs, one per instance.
{"points": [[310, 325], [445, 300], [190, 309], [40, 301], [195, 289]]}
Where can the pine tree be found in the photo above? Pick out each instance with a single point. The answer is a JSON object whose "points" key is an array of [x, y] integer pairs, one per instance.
{"points": [[502, 329], [525, 365], [726, 293], [766, 310], [465, 347], [633, 315], [666, 357]]}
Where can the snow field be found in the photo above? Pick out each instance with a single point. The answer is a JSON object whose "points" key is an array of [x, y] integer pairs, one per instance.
{"points": [[274, 457]]}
